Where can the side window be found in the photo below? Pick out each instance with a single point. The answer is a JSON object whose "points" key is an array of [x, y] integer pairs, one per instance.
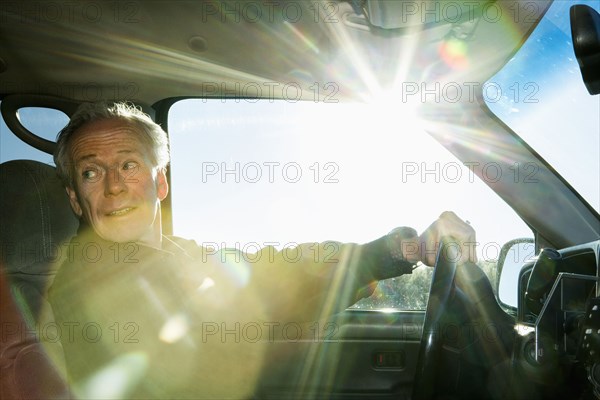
{"points": [[44, 122], [411, 292], [408, 292]]}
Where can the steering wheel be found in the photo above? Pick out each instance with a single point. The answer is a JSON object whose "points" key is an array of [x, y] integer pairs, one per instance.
{"points": [[442, 287]]}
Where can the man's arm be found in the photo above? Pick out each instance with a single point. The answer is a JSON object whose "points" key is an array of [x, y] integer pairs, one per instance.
{"points": [[315, 280], [312, 280]]}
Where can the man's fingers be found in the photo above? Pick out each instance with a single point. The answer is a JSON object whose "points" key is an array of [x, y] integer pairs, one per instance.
{"points": [[449, 226]]}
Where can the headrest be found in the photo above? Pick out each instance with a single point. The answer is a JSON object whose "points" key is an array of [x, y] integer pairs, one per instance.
{"points": [[37, 220]]}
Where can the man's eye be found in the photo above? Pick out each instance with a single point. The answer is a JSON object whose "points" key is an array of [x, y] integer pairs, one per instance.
{"points": [[89, 174], [130, 165]]}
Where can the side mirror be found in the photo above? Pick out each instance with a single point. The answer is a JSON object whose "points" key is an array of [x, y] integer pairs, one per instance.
{"points": [[512, 257]]}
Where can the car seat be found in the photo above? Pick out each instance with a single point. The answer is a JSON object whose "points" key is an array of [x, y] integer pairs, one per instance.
{"points": [[36, 222]]}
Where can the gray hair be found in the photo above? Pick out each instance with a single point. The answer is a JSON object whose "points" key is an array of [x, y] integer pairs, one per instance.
{"points": [[150, 133]]}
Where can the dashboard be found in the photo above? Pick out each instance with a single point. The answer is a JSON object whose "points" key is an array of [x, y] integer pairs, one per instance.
{"points": [[558, 323]]}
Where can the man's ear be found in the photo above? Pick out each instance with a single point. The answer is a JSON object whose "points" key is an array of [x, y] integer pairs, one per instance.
{"points": [[74, 201], [162, 186]]}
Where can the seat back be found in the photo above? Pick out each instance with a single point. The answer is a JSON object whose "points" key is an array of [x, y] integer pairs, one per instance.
{"points": [[36, 222]]}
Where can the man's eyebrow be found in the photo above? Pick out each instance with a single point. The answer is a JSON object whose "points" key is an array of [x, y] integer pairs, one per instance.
{"points": [[86, 157], [93, 155]]}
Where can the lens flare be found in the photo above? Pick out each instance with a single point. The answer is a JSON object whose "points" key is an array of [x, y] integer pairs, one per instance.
{"points": [[117, 379], [454, 53]]}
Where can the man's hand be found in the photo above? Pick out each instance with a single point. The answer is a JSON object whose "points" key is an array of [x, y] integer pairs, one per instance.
{"points": [[449, 226]]}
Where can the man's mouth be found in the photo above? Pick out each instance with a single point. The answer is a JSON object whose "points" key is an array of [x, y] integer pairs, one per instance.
{"points": [[120, 212]]}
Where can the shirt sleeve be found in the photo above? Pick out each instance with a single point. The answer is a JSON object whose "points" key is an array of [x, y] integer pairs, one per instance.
{"points": [[308, 282]]}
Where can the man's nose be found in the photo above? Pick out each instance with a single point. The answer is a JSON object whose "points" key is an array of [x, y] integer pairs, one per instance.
{"points": [[114, 182]]}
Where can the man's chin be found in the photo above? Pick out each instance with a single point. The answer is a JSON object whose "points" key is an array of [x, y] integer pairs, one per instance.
{"points": [[119, 235], [125, 230]]}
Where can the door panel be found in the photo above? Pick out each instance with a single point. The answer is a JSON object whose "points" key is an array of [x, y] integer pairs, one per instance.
{"points": [[356, 354]]}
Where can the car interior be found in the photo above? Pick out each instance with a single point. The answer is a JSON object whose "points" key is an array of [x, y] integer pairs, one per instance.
{"points": [[465, 342]]}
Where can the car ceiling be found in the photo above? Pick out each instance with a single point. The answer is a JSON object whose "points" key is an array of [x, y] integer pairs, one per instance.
{"points": [[152, 50]]}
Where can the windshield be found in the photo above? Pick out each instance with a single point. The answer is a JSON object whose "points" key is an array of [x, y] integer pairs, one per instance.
{"points": [[248, 173], [546, 103]]}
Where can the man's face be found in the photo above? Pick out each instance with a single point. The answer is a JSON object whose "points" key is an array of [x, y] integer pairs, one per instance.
{"points": [[116, 188]]}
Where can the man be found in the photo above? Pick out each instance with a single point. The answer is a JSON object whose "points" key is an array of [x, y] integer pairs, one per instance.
{"points": [[147, 308]]}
